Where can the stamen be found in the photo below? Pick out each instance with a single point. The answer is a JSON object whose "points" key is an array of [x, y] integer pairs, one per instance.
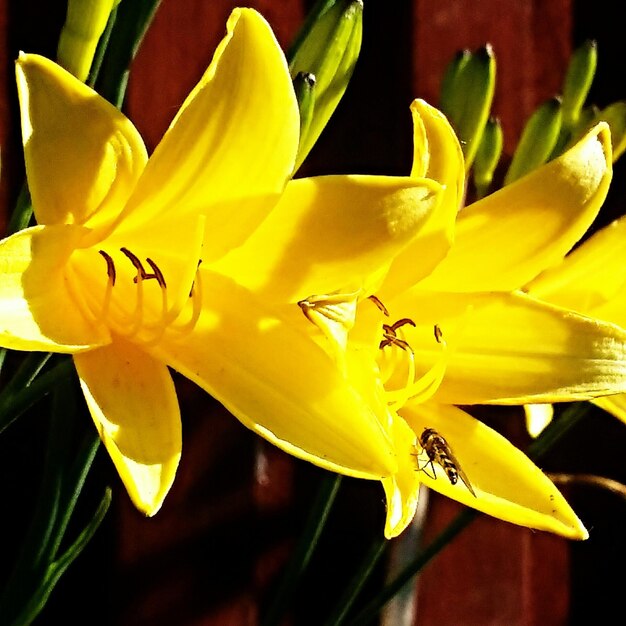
{"points": [[194, 280], [145, 313], [425, 386], [390, 337], [380, 305], [110, 266], [141, 272], [438, 333], [158, 274], [196, 299]]}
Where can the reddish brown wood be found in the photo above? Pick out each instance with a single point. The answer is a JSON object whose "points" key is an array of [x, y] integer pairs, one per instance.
{"points": [[493, 573], [177, 50], [11, 169], [531, 39]]}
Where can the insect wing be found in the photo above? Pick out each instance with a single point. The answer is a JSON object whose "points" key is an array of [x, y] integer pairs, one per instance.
{"points": [[461, 473]]}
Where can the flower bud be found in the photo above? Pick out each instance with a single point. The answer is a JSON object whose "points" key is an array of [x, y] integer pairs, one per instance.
{"points": [[538, 140], [84, 24], [467, 94], [487, 156], [578, 79], [327, 48]]}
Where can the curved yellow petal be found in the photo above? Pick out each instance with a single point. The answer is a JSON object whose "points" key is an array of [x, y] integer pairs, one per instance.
{"points": [[513, 349], [538, 416], [332, 233], [82, 155], [133, 403], [38, 304], [507, 484], [438, 156], [277, 381], [615, 405], [402, 489], [231, 148], [506, 239], [590, 276]]}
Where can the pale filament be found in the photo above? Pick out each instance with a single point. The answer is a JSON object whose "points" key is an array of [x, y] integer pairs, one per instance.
{"points": [[196, 299]]}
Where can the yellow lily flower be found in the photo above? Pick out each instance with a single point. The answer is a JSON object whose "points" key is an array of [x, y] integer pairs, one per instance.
{"points": [[495, 344], [434, 333], [124, 269], [505, 347]]}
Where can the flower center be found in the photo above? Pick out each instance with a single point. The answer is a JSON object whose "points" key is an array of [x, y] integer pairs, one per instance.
{"points": [[417, 387], [334, 315], [138, 298], [155, 308]]}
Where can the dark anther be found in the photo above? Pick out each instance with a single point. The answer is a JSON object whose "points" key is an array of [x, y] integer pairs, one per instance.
{"points": [[141, 272], [380, 305], [193, 282], [438, 333], [157, 274], [402, 322], [390, 338], [110, 266]]}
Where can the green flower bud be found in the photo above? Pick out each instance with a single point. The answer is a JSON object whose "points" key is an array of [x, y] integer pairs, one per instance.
{"points": [[467, 94], [538, 140], [84, 24], [304, 85], [578, 79], [487, 156], [327, 48]]}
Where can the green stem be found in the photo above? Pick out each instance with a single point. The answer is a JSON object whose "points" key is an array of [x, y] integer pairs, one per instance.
{"points": [[342, 608], [372, 608], [39, 566], [304, 549], [131, 23], [14, 402], [57, 569]]}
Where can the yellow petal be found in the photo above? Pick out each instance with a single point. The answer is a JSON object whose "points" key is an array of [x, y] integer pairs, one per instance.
{"points": [[506, 239], [39, 304], [277, 381], [538, 416], [402, 489], [591, 276], [332, 233], [133, 403], [438, 156], [82, 155], [615, 405], [231, 148], [513, 349], [508, 485]]}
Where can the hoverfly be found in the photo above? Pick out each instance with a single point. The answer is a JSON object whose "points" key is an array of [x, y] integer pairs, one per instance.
{"points": [[438, 451]]}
